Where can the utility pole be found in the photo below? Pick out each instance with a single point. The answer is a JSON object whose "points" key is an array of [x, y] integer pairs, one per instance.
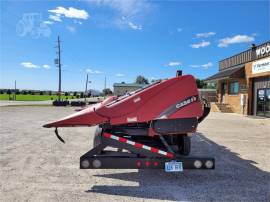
{"points": [[86, 88], [105, 83], [58, 62], [15, 91], [86, 85]]}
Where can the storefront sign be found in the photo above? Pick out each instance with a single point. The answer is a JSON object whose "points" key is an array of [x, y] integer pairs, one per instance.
{"points": [[261, 66], [263, 50], [243, 88]]}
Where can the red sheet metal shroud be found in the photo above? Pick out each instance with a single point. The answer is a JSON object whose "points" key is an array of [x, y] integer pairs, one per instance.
{"points": [[141, 106]]}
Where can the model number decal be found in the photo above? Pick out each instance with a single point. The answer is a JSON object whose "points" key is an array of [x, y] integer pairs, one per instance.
{"points": [[186, 102]]}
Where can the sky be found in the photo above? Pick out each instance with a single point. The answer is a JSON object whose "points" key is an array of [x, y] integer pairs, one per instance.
{"points": [[120, 39]]}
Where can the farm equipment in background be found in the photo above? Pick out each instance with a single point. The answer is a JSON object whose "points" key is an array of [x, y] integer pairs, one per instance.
{"points": [[150, 127]]}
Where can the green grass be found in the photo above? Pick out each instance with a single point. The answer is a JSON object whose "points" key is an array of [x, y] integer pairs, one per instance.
{"points": [[33, 97]]}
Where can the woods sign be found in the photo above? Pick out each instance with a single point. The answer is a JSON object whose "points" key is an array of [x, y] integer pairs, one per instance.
{"points": [[263, 50]]}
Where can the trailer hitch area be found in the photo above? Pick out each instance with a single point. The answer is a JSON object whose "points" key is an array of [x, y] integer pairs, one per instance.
{"points": [[58, 136]]}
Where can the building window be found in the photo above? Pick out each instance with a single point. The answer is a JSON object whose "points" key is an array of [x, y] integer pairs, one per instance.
{"points": [[234, 88]]}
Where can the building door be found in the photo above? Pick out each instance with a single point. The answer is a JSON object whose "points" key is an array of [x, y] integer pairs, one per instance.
{"points": [[260, 98], [222, 92], [263, 102]]}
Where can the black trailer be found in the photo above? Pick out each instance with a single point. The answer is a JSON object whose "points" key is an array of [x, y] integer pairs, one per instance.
{"points": [[135, 155]]}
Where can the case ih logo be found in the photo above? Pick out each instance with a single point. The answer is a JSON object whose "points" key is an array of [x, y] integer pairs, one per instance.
{"points": [[186, 102]]}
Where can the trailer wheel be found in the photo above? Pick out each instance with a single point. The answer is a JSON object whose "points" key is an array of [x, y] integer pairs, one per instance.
{"points": [[184, 145], [97, 138]]}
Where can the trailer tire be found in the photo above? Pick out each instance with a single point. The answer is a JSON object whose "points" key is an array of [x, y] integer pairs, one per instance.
{"points": [[184, 145], [97, 138]]}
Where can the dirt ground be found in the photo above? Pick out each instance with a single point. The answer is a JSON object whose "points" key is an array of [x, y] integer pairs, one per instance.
{"points": [[35, 166]]}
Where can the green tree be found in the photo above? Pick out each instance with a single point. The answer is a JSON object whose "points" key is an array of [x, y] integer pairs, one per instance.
{"points": [[107, 91], [200, 83], [141, 80]]}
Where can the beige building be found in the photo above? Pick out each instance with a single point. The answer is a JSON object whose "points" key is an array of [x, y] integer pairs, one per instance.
{"points": [[123, 88], [243, 82]]}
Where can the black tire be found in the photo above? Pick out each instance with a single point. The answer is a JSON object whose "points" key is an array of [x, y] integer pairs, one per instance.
{"points": [[184, 145], [97, 138]]}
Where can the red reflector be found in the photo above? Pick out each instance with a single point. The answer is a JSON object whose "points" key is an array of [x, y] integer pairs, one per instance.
{"points": [[107, 135], [155, 163], [138, 163], [147, 163], [122, 139], [170, 155]]}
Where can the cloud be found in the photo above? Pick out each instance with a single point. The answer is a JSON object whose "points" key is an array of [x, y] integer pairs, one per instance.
{"points": [[173, 64], [48, 22], [205, 34], [179, 30], [124, 7], [71, 29], [205, 66], [135, 27], [29, 65], [46, 66], [194, 66], [56, 18], [90, 71], [77, 22], [225, 42], [71, 12], [200, 44], [119, 75], [125, 12]]}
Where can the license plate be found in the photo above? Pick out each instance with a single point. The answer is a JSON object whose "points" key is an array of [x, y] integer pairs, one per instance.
{"points": [[173, 166]]}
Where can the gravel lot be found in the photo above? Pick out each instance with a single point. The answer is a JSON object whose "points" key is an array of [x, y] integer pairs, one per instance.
{"points": [[35, 166]]}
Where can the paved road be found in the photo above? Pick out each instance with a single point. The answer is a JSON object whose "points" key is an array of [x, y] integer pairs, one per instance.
{"points": [[35, 166], [46, 102]]}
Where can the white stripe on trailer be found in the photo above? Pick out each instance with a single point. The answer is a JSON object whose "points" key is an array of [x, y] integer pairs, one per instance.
{"points": [[114, 137], [130, 142], [146, 147], [155, 150], [162, 152]]}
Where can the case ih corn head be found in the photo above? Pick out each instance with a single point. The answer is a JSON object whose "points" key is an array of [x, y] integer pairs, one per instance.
{"points": [[150, 128]]}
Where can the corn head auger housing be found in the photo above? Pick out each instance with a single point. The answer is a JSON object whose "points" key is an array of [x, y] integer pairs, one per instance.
{"points": [[150, 127]]}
